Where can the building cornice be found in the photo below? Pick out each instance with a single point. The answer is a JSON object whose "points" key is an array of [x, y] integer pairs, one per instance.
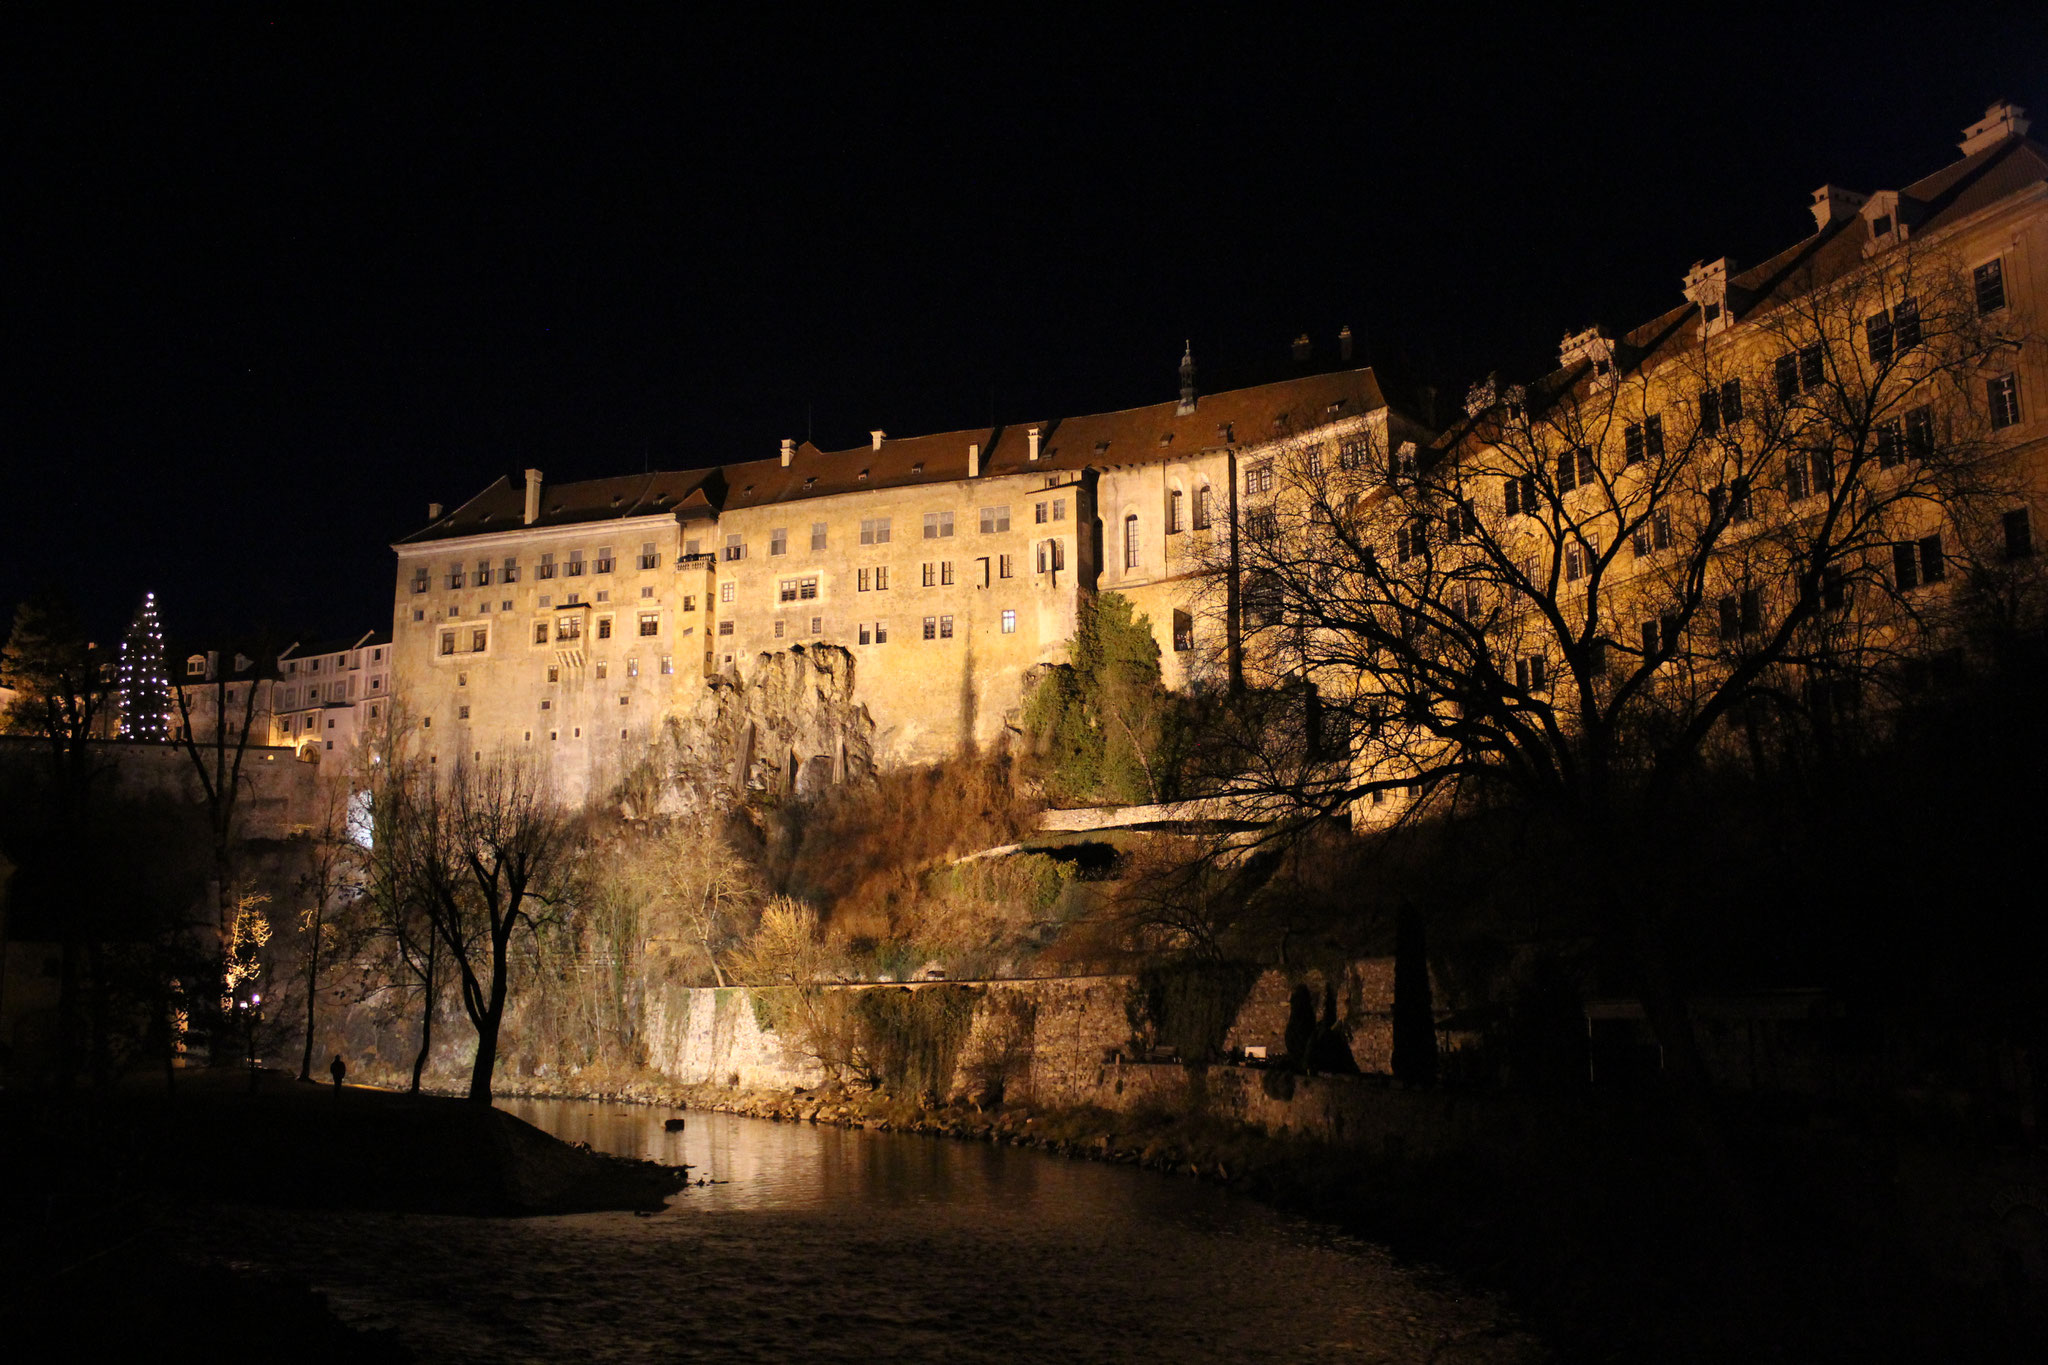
{"points": [[526, 534]]}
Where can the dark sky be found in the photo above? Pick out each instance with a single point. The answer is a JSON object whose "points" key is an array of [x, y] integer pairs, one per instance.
{"points": [[274, 281]]}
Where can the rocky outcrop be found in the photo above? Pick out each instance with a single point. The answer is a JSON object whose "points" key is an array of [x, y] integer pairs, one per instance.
{"points": [[788, 725]]}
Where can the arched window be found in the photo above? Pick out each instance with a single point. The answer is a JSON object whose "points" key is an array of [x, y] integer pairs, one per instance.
{"points": [[1175, 512], [1131, 541], [1202, 510]]}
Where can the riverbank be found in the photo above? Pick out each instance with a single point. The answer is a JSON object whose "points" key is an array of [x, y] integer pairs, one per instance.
{"points": [[93, 1175]]}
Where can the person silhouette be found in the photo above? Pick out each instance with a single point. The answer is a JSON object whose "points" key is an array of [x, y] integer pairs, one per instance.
{"points": [[337, 1069]]}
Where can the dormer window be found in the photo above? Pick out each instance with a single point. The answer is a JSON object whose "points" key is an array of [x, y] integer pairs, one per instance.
{"points": [[1592, 349], [1707, 287], [1890, 217]]}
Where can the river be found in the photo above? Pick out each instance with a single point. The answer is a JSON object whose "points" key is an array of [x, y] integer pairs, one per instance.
{"points": [[820, 1243]]}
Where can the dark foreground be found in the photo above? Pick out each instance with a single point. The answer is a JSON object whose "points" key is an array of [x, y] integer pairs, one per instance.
{"points": [[94, 1182]]}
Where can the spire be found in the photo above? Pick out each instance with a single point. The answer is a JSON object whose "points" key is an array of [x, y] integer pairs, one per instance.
{"points": [[1187, 380]]}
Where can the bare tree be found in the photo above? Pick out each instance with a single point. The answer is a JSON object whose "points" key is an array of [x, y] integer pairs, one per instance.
{"points": [[489, 854], [693, 880], [1689, 544], [333, 876]]}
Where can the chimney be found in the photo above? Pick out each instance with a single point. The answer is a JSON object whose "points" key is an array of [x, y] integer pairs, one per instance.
{"points": [[2001, 121], [1304, 349], [1833, 204], [1187, 380], [974, 459], [788, 452], [1033, 434], [1344, 343], [433, 511], [875, 438], [532, 496]]}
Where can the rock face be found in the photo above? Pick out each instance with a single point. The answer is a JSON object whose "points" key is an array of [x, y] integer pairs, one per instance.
{"points": [[789, 726]]}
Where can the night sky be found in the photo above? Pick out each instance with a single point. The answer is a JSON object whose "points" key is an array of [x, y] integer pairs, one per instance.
{"points": [[275, 281]]}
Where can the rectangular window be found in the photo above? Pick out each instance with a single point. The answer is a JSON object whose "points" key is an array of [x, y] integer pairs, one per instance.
{"points": [[778, 628], [1174, 511], [867, 634], [1786, 371], [455, 576], [648, 555], [1005, 567], [1578, 560], [735, 546], [931, 574], [945, 627], [863, 581], [1576, 467], [554, 675], [785, 591], [1989, 281], [817, 535], [1130, 543], [420, 580], [931, 627], [483, 573], [650, 623], [540, 632], [1009, 621], [1906, 325], [1410, 541], [937, 525], [1258, 478], [1351, 453], [945, 573], [874, 531], [807, 589], [778, 541], [881, 578], [462, 713], [668, 663], [447, 642], [547, 566], [1530, 673], [994, 519], [511, 570], [1920, 432], [603, 668], [1710, 412], [2019, 534], [881, 632], [728, 591], [568, 627], [1183, 631], [1040, 511], [725, 627], [632, 668], [2002, 399], [479, 640], [1521, 494], [604, 627], [1916, 562], [689, 601], [575, 563], [817, 625]]}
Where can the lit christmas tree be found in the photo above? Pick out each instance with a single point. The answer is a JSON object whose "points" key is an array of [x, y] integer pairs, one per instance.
{"points": [[145, 686]]}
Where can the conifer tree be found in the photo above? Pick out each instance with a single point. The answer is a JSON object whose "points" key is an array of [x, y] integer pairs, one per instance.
{"points": [[145, 686]]}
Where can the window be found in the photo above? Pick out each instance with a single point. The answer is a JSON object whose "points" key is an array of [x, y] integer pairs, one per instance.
{"points": [[483, 573], [817, 535], [668, 663], [931, 574], [725, 627], [511, 569], [420, 581], [547, 566], [1808, 474], [1262, 523], [945, 627], [2002, 398], [1530, 673], [1801, 370], [1052, 556], [1891, 334], [1578, 559], [1401, 464], [728, 590], [1258, 478], [864, 581], [1005, 567], [817, 625], [575, 569], [881, 632], [568, 627], [648, 557], [604, 627], [1315, 463], [735, 546], [1719, 407], [1576, 467], [1040, 512], [945, 573], [1009, 621], [1462, 520], [874, 531], [1643, 440], [650, 623], [1917, 562], [1467, 602], [994, 519], [632, 668], [931, 627], [778, 541], [1521, 494], [478, 640], [785, 591], [2019, 534], [1920, 432], [1130, 542], [1183, 631], [1740, 614], [1261, 599], [1174, 511], [1888, 445], [455, 576], [447, 642], [603, 668], [867, 634], [807, 589], [1351, 453], [937, 524], [540, 632], [1989, 281], [881, 578], [1203, 517], [1410, 541], [554, 673]]}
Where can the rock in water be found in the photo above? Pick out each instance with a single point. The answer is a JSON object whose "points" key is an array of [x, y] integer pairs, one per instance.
{"points": [[673, 1125]]}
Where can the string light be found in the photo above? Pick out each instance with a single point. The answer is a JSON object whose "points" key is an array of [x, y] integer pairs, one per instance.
{"points": [[145, 685]]}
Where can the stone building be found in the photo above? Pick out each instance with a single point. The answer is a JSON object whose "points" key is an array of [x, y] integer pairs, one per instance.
{"points": [[928, 576], [329, 693]]}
